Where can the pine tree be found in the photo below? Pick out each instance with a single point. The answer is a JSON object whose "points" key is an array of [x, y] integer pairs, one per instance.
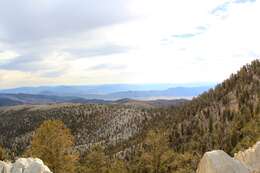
{"points": [[3, 153], [156, 156], [95, 161], [117, 166], [53, 144]]}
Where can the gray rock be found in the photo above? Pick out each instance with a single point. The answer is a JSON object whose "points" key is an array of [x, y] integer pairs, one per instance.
{"points": [[250, 157], [24, 165], [218, 161]]}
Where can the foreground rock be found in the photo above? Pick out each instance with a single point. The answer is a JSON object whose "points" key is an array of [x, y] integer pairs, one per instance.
{"points": [[23, 165], [218, 161], [250, 157]]}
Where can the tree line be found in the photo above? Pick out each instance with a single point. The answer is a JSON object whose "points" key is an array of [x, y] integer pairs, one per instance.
{"points": [[227, 118], [54, 144]]}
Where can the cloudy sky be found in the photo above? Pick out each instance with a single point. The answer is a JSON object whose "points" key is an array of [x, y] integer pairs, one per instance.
{"points": [[54, 42]]}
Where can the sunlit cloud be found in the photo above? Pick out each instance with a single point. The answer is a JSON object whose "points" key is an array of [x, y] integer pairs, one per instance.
{"points": [[125, 41]]}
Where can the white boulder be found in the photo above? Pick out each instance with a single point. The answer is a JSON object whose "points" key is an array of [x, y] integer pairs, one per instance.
{"points": [[5, 167], [218, 161], [250, 157], [24, 165]]}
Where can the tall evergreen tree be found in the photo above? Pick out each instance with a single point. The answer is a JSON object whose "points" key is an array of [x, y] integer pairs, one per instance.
{"points": [[95, 161], [156, 156], [53, 144]]}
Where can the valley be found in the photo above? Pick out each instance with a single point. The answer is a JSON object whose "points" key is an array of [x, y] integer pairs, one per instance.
{"points": [[226, 117]]}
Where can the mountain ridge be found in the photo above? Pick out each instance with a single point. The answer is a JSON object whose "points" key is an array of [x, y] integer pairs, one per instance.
{"points": [[226, 117], [168, 93], [29, 99]]}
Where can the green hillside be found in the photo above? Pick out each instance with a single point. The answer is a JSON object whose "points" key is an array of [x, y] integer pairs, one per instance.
{"points": [[226, 117]]}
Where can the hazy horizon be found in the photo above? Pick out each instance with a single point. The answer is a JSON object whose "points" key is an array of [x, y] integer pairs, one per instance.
{"points": [[171, 85]]}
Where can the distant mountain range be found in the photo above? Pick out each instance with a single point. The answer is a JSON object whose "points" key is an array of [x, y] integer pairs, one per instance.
{"points": [[19, 99], [88, 89], [226, 117], [29, 99], [177, 92], [113, 92]]}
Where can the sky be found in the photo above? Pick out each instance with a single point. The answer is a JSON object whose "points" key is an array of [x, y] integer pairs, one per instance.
{"points": [[81, 42]]}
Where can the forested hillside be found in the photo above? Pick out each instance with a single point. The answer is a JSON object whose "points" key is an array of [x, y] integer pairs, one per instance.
{"points": [[226, 117], [95, 123]]}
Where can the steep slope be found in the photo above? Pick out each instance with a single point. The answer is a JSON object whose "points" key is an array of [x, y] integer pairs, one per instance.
{"points": [[226, 118]]}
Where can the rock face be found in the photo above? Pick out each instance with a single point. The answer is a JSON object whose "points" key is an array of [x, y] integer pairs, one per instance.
{"points": [[250, 157], [23, 165], [218, 161]]}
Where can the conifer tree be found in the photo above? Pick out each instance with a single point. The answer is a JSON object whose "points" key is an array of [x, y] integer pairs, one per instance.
{"points": [[118, 166], [95, 161], [156, 156], [3, 153], [53, 142]]}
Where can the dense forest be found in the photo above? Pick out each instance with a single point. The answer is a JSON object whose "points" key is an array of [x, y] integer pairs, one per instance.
{"points": [[121, 138]]}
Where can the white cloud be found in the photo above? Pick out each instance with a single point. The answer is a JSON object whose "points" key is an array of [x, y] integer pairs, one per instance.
{"points": [[169, 41], [6, 56]]}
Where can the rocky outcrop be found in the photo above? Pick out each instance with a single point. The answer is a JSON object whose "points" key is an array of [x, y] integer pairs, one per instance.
{"points": [[218, 161], [250, 157], [23, 165]]}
